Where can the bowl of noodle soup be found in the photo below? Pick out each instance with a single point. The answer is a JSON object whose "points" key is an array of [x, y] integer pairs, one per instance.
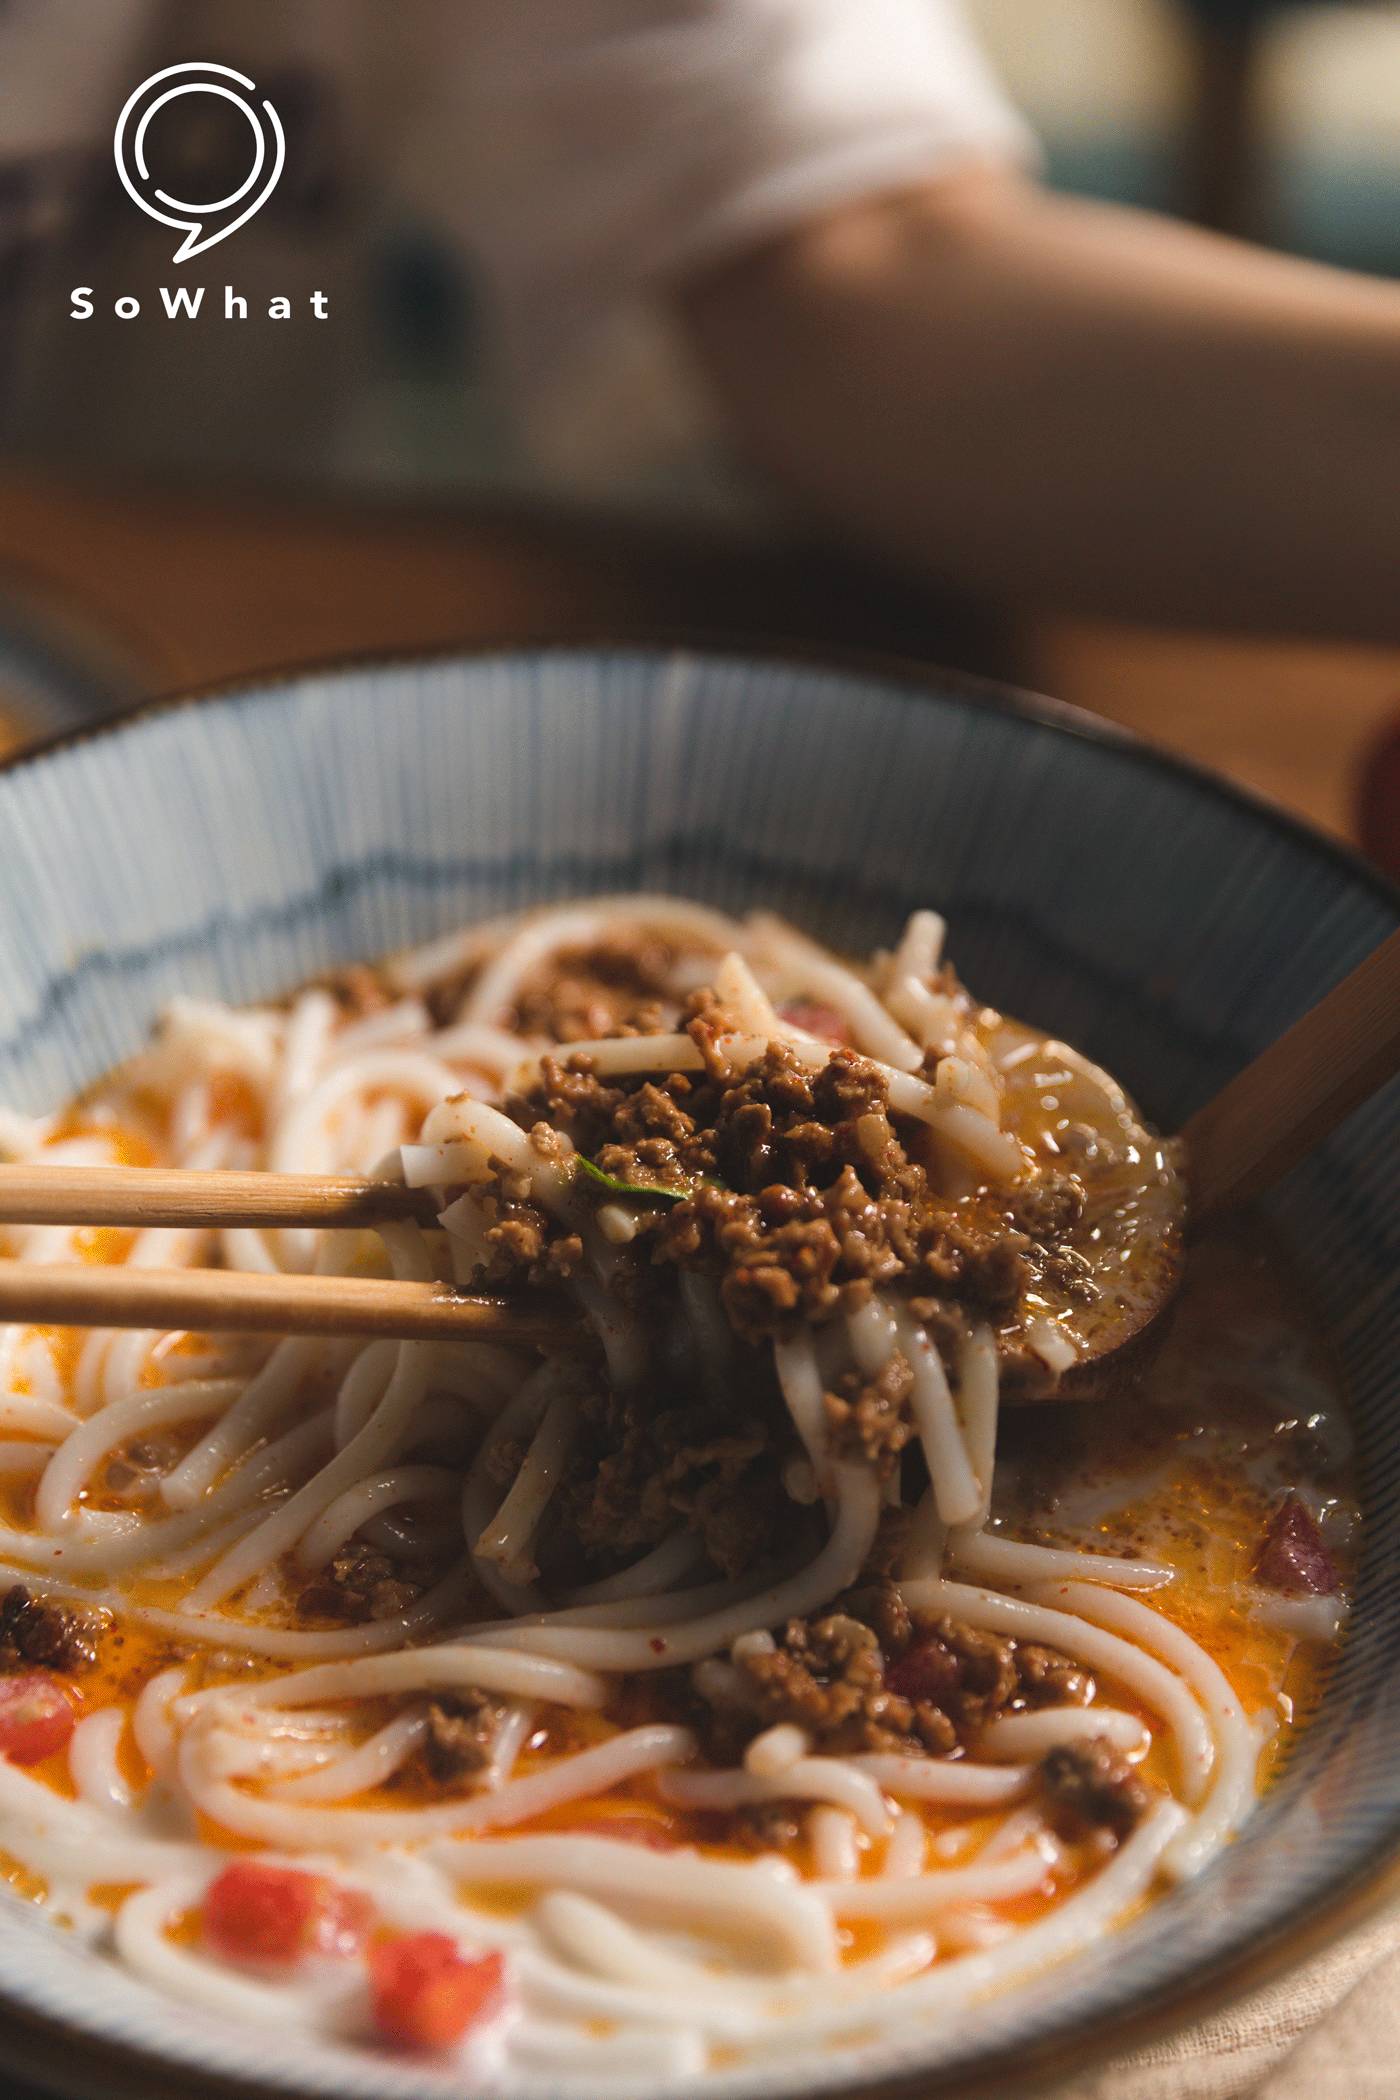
{"points": [[767, 1695]]}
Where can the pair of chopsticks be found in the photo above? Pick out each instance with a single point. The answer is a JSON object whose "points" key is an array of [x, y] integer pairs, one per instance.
{"points": [[228, 1301]]}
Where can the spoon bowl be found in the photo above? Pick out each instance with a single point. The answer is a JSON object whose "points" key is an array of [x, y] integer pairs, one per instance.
{"points": [[1143, 1194], [1123, 1256]]}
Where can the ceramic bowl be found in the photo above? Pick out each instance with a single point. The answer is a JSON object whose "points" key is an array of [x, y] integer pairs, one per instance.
{"points": [[1166, 923]]}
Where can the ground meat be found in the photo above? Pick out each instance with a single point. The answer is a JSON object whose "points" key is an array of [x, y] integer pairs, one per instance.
{"points": [[828, 1677], [781, 1255], [462, 1731], [800, 1194], [572, 1098], [1048, 1678], [642, 1468], [887, 1548], [971, 1676], [1049, 1207], [360, 1583], [1091, 1786], [525, 1241], [880, 1606], [521, 1236], [739, 1525], [870, 1675], [1294, 1556], [504, 1458], [793, 1194], [35, 1631], [617, 983], [869, 1417]]}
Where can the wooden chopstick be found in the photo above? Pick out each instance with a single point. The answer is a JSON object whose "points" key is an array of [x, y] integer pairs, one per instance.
{"points": [[230, 1301], [1297, 1091], [31, 1194]]}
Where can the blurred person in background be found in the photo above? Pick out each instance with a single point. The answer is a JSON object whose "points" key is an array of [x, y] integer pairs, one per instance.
{"points": [[710, 248]]}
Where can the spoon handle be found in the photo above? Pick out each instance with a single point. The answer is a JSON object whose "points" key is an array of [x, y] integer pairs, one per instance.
{"points": [[1274, 1111]]}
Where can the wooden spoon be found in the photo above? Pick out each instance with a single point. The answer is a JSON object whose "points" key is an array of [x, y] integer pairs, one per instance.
{"points": [[1147, 1196]]}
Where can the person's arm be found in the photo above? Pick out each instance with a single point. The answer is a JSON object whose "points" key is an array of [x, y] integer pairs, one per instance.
{"points": [[1074, 406]]}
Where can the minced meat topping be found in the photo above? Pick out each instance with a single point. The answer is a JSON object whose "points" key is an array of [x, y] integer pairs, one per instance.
{"points": [[643, 1468], [792, 1194], [614, 983], [360, 1583], [872, 1675], [461, 1734], [35, 1630], [1091, 1786], [796, 1190], [869, 1417]]}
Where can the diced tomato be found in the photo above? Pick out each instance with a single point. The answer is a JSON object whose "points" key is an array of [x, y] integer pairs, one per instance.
{"points": [[426, 1993], [37, 1716], [629, 1830], [928, 1670], [254, 1912], [823, 1021], [1294, 1555]]}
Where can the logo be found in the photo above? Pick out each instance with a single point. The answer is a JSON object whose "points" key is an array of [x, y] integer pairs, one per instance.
{"points": [[202, 224]]}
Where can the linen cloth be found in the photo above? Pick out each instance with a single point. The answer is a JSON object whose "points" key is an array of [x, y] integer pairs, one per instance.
{"points": [[1329, 2031]]}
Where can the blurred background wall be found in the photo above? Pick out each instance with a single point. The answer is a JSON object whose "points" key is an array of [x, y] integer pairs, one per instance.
{"points": [[1139, 99]]}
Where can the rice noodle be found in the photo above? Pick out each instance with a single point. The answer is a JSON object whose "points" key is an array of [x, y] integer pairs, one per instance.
{"points": [[773, 1914], [442, 1664], [802, 1389], [991, 1558], [385, 1753], [914, 1898], [1077, 1635], [813, 971], [958, 1785], [380, 1491], [92, 1760], [1237, 1746], [210, 1765], [545, 935], [407, 1664], [956, 1488], [805, 1779], [834, 1569], [979, 1391], [1018, 1736], [510, 1535], [831, 1833]]}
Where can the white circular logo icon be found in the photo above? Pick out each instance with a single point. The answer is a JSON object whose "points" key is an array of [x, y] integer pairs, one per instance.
{"points": [[201, 224]]}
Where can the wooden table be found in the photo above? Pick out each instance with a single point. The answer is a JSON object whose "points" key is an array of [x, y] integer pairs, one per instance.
{"points": [[189, 589]]}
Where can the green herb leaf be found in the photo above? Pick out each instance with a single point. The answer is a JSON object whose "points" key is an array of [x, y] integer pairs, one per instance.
{"points": [[650, 1192]]}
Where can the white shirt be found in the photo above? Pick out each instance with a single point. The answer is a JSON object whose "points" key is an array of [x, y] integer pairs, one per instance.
{"points": [[572, 156]]}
